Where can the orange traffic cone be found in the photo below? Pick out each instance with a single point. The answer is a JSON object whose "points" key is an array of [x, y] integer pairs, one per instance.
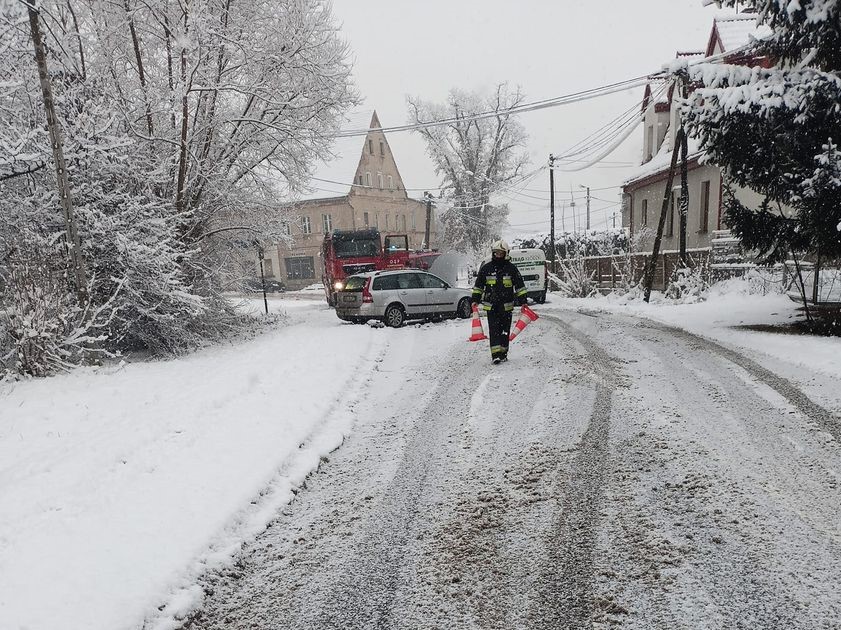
{"points": [[527, 316], [476, 326]]}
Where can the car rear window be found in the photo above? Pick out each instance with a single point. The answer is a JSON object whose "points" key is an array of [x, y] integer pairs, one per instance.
{"points": [[355, 283]]}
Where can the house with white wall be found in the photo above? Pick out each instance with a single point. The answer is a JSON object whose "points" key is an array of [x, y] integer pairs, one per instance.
{"points": [[644, 191]]}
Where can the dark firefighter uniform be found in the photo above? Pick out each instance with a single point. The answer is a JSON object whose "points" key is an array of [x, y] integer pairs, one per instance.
{"points": [[498, 287]]}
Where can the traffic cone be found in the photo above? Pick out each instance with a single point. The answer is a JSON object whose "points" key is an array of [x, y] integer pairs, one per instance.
{"points": [[527, 316], [476, 326]]}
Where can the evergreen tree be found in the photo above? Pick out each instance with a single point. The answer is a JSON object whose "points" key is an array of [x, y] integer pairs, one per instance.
{"points": [[776, 127]]}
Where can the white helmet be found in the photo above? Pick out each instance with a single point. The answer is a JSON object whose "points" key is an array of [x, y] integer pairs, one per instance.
{"points": [[500, 246]]}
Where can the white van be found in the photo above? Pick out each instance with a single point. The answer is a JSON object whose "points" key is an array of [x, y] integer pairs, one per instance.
{"points": [[532, 266]]}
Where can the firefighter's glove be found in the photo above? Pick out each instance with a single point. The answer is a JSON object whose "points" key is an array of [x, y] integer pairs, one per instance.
{"points": [[522, 301]]}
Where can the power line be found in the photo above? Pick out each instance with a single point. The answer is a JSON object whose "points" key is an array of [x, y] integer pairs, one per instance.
{"points": [[557, 101]]}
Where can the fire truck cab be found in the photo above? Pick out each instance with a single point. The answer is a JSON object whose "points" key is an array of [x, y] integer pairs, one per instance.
{"points": [[348, 252]]}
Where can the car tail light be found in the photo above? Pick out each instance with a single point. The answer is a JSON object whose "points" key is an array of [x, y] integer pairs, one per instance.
{"points": [[366, 293]]}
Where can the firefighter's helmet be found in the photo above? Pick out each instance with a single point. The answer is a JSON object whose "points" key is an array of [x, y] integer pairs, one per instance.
{"points": [[500, 246]]}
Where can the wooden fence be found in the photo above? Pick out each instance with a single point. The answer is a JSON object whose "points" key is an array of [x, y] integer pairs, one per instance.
{"points": [[623, 270]]}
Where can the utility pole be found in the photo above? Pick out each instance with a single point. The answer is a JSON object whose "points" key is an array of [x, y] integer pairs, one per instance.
{"points": [[552, 212], [684, 197], [428, 198], [614, 220], [588, 207], [74, 243], [651, 264], [572, 209], [684, 184]]}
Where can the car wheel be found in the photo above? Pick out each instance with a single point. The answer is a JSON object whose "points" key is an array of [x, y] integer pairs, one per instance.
{"points": [[394, 316], [464, 310]]}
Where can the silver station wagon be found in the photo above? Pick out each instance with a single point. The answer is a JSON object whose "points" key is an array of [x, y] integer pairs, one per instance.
{"points": [[396, 296]]}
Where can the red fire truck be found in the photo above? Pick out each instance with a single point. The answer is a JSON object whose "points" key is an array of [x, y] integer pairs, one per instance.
{"points": [[348, 252]]}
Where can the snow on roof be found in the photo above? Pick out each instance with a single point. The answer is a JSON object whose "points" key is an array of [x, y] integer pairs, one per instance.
{"points": [[663, 159], [737, 29]]}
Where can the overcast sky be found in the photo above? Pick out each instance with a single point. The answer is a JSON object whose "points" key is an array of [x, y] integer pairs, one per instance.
{"points": [[547, 47]]}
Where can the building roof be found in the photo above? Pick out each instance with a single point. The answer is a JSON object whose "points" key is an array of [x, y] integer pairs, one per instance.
{"points": [[734, 30], [730, 32], [661, 162]]}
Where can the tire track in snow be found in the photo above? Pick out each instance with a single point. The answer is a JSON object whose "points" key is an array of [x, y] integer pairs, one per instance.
{"points": [[821, 416], [566, 597], [697, 541], [325, 436]]}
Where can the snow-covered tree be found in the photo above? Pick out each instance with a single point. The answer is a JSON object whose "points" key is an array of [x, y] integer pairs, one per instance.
{"points": [[183, 125], [474, 158], [776, 128]]}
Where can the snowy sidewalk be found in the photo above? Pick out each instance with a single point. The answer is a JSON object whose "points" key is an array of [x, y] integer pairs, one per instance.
{"points": [[112, 484]]}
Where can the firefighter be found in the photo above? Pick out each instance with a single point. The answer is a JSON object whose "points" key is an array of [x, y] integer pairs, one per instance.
{"points": [[498, 287]]}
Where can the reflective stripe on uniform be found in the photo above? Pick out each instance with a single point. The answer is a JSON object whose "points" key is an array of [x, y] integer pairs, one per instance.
{"points": [[522, 292], [509, 306], [490, 281], [506, 281], [477, 291], [486, 306], [497, 350]]}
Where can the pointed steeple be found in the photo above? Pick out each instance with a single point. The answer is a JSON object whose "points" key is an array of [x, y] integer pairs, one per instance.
{"points": [[376, 172]]}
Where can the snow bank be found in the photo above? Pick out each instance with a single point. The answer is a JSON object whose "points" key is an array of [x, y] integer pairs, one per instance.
{"points": [[113, 481]]}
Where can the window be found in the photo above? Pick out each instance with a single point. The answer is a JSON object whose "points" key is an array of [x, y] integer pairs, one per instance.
{"points": [[360, 179], [267, 267], [390, 182], [370, 146], [300, 268], [386, 222], [649, 150], [367, 179], [326, 223], [380, 180], [306, 227], [645, 211], [287, 229], [385, 283], [365, 218], [705, 206], [409, 281], [431, 282], [382, 148], [404, 222], [631, 214], [414, 227], [377, 220], [396, 244]]}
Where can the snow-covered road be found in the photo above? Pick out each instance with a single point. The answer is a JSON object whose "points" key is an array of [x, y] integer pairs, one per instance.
{"points": [[615, 472]]}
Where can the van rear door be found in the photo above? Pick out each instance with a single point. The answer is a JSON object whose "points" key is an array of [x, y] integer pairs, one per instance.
{"points": [[532, 266]]}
